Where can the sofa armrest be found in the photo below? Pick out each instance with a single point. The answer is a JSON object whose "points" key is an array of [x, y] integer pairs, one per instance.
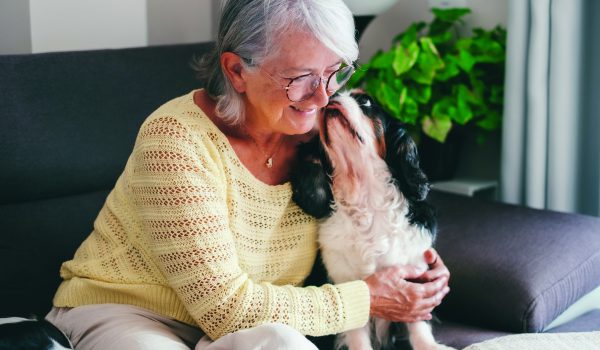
{"points": [[513, 268]]}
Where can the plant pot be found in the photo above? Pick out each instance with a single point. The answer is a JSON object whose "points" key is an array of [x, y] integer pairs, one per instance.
{"points": [[438, 160]]}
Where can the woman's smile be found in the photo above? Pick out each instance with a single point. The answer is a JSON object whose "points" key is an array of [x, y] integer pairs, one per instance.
{"points": [[305, 112]]}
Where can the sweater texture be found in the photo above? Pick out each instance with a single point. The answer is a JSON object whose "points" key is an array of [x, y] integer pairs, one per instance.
{"points": [[190, 233]]}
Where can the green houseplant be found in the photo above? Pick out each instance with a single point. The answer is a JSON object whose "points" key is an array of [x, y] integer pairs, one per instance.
{"points": [[432, 79]]}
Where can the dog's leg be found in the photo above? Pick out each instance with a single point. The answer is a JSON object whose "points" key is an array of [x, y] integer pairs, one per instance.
{"points": [[382, 332], [421, 338], [356, 339]]}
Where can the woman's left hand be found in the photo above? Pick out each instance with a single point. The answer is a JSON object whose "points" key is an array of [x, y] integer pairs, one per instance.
{"points": [[437, 269]]}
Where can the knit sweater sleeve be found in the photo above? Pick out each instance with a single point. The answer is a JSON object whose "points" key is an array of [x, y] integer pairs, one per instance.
{"points": [[181, 201]]}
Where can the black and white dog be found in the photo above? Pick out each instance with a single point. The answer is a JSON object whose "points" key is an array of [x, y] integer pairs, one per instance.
{"points": [[18, 333], [362, 176]]}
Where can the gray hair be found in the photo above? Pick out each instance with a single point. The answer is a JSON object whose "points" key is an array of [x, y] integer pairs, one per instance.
{"points": [[249, 28]]}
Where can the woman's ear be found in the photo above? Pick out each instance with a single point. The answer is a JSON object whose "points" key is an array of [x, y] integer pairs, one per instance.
{"points": [[233, 66]]}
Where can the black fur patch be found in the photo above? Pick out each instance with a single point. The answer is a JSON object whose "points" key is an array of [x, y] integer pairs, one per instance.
{"points": [[31, 335], [311, 183]]}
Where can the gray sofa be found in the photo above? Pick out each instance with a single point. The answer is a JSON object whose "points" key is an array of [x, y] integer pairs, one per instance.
{"points": [[67, 125]]}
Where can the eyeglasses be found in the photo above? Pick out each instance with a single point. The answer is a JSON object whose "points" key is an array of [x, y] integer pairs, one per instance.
{"points": [[303, 87]]}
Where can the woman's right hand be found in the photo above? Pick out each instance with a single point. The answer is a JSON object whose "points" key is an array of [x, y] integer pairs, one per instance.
{"points": [[396, 299]]}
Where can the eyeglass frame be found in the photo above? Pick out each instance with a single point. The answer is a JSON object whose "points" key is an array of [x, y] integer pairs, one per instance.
{"points": [[321, 79]]}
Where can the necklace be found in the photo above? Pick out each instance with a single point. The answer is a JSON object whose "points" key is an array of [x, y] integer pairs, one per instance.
{"points": [[269, 161]]}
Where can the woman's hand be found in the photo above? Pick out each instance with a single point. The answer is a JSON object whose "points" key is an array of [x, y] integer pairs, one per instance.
{"points": [[437, 269], [394, 297]]}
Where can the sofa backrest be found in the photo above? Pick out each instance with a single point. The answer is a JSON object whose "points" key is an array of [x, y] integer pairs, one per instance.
{"points": [[68, 122]]}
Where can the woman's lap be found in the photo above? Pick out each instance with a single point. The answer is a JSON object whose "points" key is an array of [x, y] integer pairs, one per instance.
{"points": [[114, 326], [272, 336]]}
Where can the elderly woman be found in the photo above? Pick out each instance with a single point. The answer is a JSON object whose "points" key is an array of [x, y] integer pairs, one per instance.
{"points": [[199, 245]]}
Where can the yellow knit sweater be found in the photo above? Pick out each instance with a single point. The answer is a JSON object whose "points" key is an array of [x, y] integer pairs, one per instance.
{"points": [[190, 233]]}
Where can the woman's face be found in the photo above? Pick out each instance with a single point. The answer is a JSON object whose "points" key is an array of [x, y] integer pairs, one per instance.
{"points": [[267, 105]]}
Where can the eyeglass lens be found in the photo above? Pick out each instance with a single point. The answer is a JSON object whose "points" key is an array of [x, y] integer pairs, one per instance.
{"points": [[302, 88]]}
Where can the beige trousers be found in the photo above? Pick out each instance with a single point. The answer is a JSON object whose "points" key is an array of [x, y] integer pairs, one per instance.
{"points": [[125, 327]]}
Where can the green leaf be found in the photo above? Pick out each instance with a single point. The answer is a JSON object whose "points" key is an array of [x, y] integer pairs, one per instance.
{"points": [[421, 76], [382, 60], [469, 95], [390, 99], [444, 107], [465, 60], [496, 94], [463, 44], [420, 93], [437, 127], [445, 19], [439, 27], [410, 111], [410, 35], [450, 14], [428, 63], [403, 94], [465, 114], [487, 50], [442, 37], [478, 89], [397, 84], [405, 58], [428, 46], [450, 69], [491, 121]]}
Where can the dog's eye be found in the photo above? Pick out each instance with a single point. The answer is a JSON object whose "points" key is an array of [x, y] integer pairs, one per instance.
{"points": [[367, 103]]}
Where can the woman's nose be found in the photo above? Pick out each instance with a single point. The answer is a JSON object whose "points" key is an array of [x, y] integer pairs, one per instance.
{"points": [[321, 96]]}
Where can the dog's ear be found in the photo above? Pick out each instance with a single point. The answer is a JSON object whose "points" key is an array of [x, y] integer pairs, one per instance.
{"points": [[403, 160], [311, 180], [423, 214]]}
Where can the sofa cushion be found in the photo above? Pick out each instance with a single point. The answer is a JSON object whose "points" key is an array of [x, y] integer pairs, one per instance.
{"points": [[36, 238], [574, 341], [68, 120], [514, 269], [587, 322], [459, 335]]}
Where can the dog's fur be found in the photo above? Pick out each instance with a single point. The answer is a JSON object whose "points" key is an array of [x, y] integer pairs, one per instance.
{"points": [[362, 174], [18, 333]]}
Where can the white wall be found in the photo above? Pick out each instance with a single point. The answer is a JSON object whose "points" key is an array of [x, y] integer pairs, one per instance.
{"points": [[14, 27], [62, 25], [179, 21], [51, 25], [56, 25]]}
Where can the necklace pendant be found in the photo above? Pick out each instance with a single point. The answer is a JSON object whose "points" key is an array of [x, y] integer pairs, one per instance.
{"points": [[269, 162]]}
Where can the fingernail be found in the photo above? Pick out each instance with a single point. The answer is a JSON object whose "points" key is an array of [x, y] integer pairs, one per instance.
{"points": [[428, 255]]}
